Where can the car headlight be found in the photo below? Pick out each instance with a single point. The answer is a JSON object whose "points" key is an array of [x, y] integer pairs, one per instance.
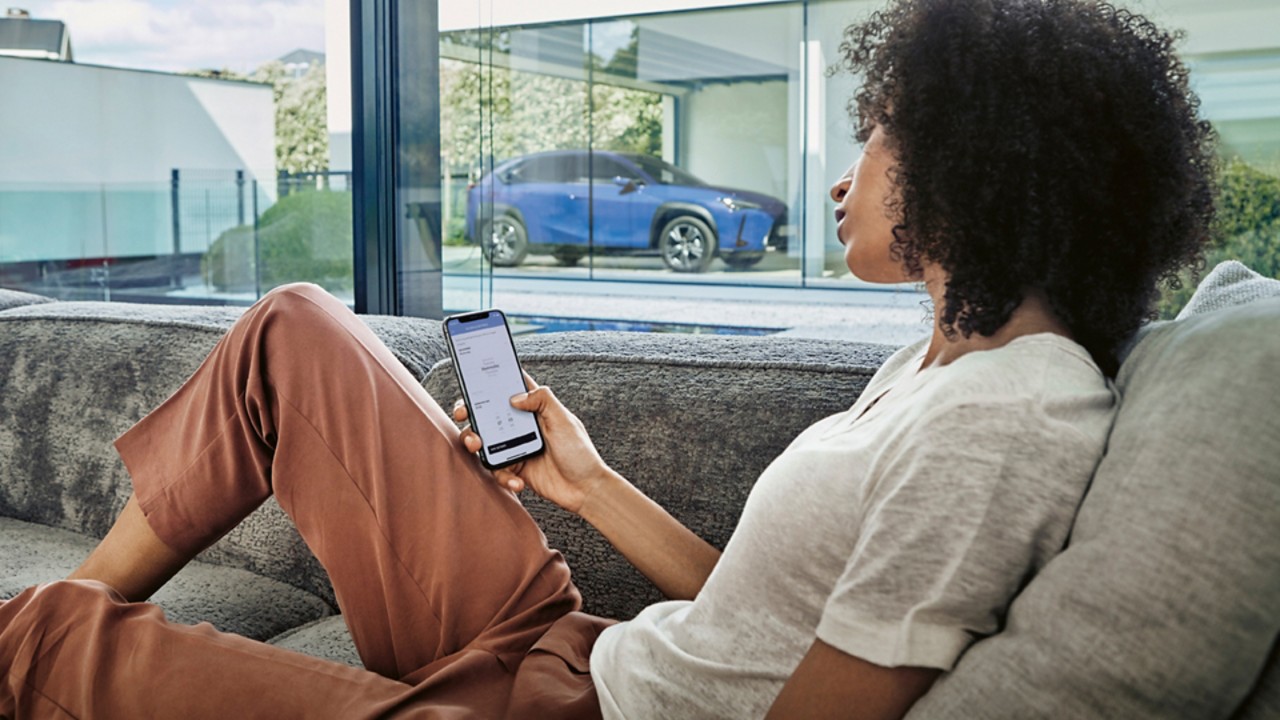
{"points": [[736, 204]]}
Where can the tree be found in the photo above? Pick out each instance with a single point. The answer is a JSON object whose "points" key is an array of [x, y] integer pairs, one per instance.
{"points": [[302, 135], [493, 112], [1247, 229]]}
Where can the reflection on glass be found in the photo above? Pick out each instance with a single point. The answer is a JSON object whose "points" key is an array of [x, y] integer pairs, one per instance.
{"points": [[645, 147]]}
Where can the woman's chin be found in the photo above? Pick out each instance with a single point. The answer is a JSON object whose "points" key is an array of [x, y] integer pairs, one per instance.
{"points": [[867, 272]]}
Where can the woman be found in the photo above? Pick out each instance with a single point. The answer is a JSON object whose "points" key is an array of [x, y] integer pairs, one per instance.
{"points": [[1037, 164]]}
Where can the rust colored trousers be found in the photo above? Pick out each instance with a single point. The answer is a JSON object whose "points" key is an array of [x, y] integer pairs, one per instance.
{"points": [[456, 604]]}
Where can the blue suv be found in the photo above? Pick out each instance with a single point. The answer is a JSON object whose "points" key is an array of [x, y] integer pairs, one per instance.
{"points": [[640, 205]]}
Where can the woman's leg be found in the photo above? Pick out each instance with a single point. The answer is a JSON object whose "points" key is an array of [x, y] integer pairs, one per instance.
{"points": [[426, 553], [76, 649], [131, 559]]}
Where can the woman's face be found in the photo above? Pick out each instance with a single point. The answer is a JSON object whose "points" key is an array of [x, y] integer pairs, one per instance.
{"points": [[863, 223]]}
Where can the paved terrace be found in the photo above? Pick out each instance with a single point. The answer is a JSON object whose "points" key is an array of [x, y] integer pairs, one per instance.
{"points": [[892, 316]]}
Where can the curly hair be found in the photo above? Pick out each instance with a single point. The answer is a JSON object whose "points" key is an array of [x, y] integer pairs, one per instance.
{"points": [[1051, 144]]}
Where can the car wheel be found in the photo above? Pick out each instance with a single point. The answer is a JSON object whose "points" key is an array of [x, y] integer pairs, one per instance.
{"points": [[741, 261], [504, 241], [568, 255], [687, 244]]}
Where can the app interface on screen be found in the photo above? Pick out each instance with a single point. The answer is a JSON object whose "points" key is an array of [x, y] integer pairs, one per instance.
{"points": [[492, 375]]}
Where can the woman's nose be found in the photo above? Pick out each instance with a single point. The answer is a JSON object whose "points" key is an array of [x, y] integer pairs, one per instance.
{"points": [[841, 187]]}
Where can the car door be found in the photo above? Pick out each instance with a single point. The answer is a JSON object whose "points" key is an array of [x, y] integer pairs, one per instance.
{"points": [[551, 193], [615, 191]]}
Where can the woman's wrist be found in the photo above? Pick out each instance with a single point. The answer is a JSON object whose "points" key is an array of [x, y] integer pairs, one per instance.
{"points": [[598, 498]]}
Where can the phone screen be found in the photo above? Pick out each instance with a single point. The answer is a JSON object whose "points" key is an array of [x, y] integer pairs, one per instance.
{"points": [[489, 374]]}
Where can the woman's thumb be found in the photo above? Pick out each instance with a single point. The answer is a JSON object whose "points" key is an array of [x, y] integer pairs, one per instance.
{"points": [[533, 401]]}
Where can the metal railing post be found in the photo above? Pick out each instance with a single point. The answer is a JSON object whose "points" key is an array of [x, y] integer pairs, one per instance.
{"points": [[175, 279], [239, 197], [257, 248]]}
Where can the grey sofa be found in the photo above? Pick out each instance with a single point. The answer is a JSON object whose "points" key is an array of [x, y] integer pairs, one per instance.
{"points": [[1166, 602]]}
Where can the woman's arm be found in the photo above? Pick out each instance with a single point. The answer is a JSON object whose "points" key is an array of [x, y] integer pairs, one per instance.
{"points": [[571, 474], [664, 550], [830, 683]]}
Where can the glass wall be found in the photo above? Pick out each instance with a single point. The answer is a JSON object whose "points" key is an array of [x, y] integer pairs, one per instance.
{"points": [[697, 146], [657, 148], [188, 163], [208, 159]]}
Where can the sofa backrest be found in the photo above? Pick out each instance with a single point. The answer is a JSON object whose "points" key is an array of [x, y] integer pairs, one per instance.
{"points": [[1166, 602], [691, 420], [74, 375]]}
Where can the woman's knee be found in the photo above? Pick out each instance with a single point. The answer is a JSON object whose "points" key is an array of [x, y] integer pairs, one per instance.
{"points": [[300, 309], [44, 607], [292, 294]]}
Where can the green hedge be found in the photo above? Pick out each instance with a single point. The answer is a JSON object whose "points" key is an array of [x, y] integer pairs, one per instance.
{"points": [[306, 236], [1248, 230]]}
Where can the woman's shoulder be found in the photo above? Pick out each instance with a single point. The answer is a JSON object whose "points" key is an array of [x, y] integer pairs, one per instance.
{"points": [[1043, 380], [1030, 366]]}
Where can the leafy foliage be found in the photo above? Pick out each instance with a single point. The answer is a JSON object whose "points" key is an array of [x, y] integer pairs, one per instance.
{"points": [[302, 135], [306, 236], [1248, 230], [496, 112]]}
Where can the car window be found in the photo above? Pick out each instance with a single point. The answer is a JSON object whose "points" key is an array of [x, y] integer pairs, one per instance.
{"points": [[606, 168], [568, 168], [664, 172], [545, 169]]}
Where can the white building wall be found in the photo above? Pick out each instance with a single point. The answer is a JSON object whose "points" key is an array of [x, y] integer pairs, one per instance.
{"points": [[467, 14], [736, 135], [88, 153]]}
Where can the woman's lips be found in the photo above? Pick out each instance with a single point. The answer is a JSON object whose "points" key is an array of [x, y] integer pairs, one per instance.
{"points": [[840, 214]]}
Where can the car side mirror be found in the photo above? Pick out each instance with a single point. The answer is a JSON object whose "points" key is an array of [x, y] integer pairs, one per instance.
{"points": [[628, 185]]}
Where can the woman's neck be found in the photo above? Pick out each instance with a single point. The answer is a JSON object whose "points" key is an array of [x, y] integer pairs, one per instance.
{"points": [[1033, 315]]}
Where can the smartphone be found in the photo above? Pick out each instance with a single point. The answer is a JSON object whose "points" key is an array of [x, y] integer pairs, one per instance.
{"points": [[489, 373]]}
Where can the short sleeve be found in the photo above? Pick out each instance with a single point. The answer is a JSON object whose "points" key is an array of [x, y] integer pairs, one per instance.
{"points": [[967, 504]]}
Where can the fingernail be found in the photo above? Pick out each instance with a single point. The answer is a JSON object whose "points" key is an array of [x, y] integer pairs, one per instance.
{"points": [[512, 484], [519, 397]]}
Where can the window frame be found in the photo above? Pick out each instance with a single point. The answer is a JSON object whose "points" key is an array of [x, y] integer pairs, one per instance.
{"points": [[395, 154]]}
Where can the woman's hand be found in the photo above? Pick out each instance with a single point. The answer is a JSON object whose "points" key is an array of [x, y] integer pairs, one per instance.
{"points": [[568, 471], [571, 474]]}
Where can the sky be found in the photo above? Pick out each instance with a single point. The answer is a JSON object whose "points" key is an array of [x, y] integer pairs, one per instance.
{"points": [[176, 35], [240, 35]]}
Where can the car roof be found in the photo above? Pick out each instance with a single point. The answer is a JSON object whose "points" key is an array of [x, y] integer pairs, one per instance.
{"points": [[560, 153]]}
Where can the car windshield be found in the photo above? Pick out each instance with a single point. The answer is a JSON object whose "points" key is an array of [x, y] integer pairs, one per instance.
{"points": [[664, 172]]}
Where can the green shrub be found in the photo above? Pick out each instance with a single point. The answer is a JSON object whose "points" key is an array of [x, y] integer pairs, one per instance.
{"points": [[306, 236], [1248, 230]]}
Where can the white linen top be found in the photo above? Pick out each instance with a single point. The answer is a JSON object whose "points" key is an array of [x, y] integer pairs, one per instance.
{"points": [[897, 531]]}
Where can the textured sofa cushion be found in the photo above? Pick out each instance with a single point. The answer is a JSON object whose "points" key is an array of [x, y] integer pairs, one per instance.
{"points": [[233, 600], [1165, 602], [691, 420], [73, 376], [14, 298], [326, 638]]}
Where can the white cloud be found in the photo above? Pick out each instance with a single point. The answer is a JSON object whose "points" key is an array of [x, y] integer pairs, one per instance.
{"points": [[188, 34]]}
